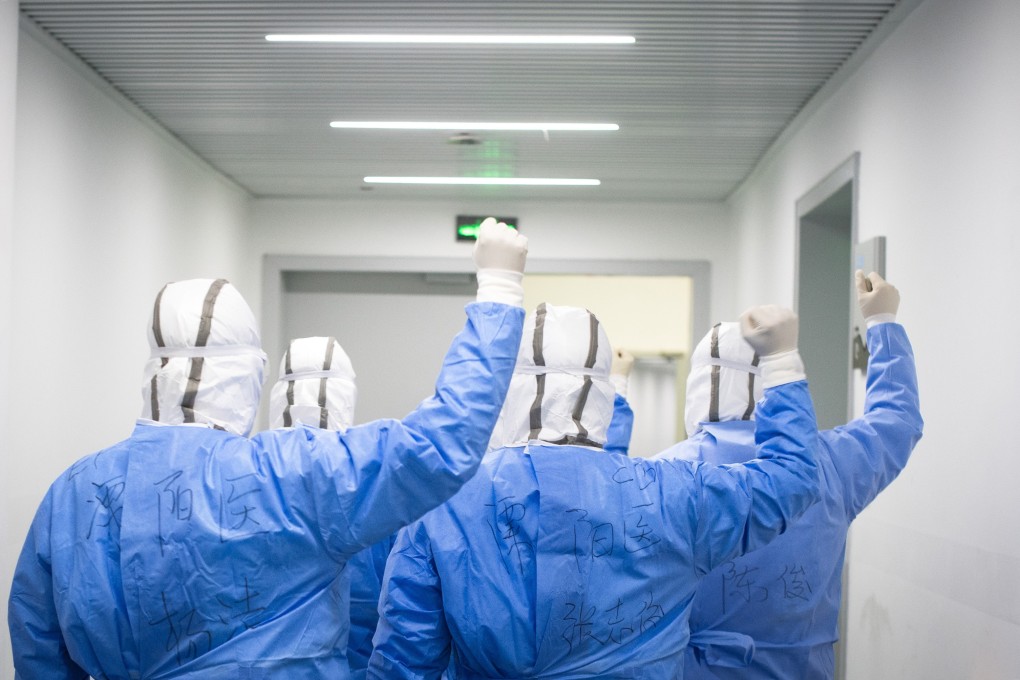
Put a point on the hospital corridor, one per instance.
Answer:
(474, 340)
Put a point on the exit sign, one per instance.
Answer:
(467, 225)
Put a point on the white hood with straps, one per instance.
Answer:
(316, 386)
(724, 382)
(206, 362)
(560, 392)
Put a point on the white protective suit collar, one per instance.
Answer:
(560, 392)
(316, 386)
(206, 360)
(724, 382)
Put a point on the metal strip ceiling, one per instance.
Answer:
(699, 97)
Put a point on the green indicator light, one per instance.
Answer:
(468, 230)
(468, 226)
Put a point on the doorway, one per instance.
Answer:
(396, 317)
(825, 300)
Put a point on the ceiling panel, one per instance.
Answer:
(699, 97)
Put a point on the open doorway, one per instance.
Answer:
(825, 301)
(826, 231)
(396, 317)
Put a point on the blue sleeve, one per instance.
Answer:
(870, 451)
(36, 638)
(412, 639)
(741, 507)
(620, 427)
(375, 478)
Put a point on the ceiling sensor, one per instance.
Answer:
(463, 139)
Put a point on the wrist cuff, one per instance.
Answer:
(875, 319)
(782, 368)
(619, 383)
(501, 285)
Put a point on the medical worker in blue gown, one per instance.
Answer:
(782, 602)
(191, 551)
(562, 560)
(317, 387)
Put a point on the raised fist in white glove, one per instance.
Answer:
(770, 329)
(772, 332)
(878, 299)
(500, 247)
(500, 253)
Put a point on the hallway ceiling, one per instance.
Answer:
(699, 97)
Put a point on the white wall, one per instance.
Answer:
(107, 209)
(934, 112)
(376, 227)
(8, 90)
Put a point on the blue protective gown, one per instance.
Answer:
(366, 570)
(190, 552)
(620, 427)
(568, 562)
(786, 596)
(367, 567)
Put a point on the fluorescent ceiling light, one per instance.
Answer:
(518, 181)
(412, 125)
(452, 39)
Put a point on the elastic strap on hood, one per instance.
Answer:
(536, 345)
(206, 362)
(316, 386)
(718, 363)
(566, 383)
(582, 433)
(289, 376)
(724, 382)
(204, 329)
(750, 388)
(157, 333)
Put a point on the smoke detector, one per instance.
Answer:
(463, 139)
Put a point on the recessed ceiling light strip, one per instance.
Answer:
(512, 181)
(455, 125)
(452, 39)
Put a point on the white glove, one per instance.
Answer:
(500, 253)
(500, 247)
(878, 299)
(772, 332)
(619, 371)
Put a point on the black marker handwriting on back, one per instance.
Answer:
(508, 532)
(795, 583)
(742, 582)
(242, 608)
(580, 618)
(639, 535)
(238, 512)
(108, 500)
(592, 540)
(642, 473)
(185, 638)
(178, 502)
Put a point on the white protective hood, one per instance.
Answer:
(316, 386)
(560, 391)
(206, 359)
(724, 382)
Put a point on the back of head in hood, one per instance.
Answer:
(560, 392)
(724, 382)
(316, 386)
(206, 358)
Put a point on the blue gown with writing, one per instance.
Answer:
(783, 600)
(569, 562)
(191, 552)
